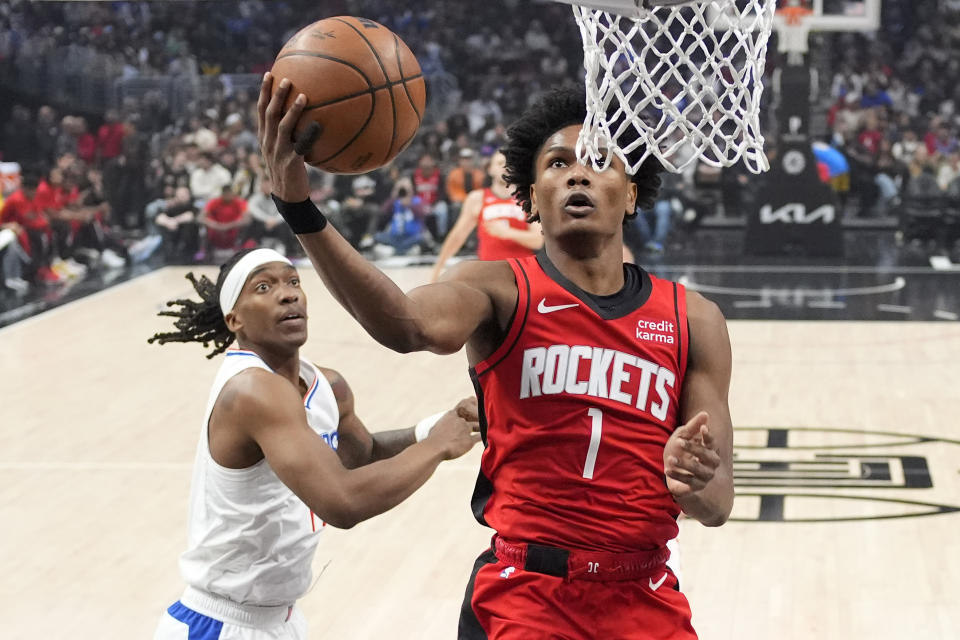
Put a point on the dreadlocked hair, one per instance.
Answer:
(555, 110)
(201, 321)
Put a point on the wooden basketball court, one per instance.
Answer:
(100, 429)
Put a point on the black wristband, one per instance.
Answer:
(301, 217)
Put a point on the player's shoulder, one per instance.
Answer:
(341, 390)
(257, 392)
(708, 328)
(482, 274)
(703, 310)
(476, 197)
(491, 278)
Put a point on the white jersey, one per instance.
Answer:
(250, 539)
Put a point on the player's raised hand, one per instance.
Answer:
(282, 155)
(457, 431)
(691, 458)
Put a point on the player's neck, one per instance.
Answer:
(282, 361)
(598, 272)
(501, 189)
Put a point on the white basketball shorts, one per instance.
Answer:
(201, 616)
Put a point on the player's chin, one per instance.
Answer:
(582, 228)
(294, 334)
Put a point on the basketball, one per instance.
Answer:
(363, 86)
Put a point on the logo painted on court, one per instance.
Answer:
(843, 475)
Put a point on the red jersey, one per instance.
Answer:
(55, 198)
(497, 208)
(427, 186)
(577, 405)
(110, 140)
(29, 214)
(223, 211)
(220, 210)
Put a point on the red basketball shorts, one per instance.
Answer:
(549, 595)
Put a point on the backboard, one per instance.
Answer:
(834, 15)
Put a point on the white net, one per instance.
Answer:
(687, 79)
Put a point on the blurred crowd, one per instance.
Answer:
(895, 109)
(144, 182)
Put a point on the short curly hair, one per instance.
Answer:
(555, 110)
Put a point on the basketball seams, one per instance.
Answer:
(373, 110)
(406, 91)
(389, 86)
(317, 54)
(386, 78)
(396, 48)
(370, 91)
(371, 88)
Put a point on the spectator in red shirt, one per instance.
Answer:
(110, 136)
(86, 143)
(428, 186)
(25, 208)
(225, 218)
(32, 226)
(57, 197)
(871, 135)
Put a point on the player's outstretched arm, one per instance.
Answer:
(466, 223)
(267, 409)
(358, 447)
(438, 319)
(698, 458)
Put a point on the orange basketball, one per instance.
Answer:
(363, 86)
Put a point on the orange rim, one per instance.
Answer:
(794, 15)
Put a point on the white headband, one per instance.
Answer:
(238, 274)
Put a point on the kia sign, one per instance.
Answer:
(794, 212)
(797, 213)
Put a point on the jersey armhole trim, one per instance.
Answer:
(683, 327)
(230, 473)
(517, 323)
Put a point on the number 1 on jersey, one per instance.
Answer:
(596, 431)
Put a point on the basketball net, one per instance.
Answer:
(687, 79)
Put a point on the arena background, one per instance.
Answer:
(843, 320)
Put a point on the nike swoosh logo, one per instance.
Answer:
(656, 585)
(544, 308)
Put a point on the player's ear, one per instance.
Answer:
(631, 197)
(533, 201)
(233, 322)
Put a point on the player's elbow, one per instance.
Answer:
(720, 513)
(423, 336)
(331, 501)
(715, 519)
(403, 341)
(342, 521)
(339, 514)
